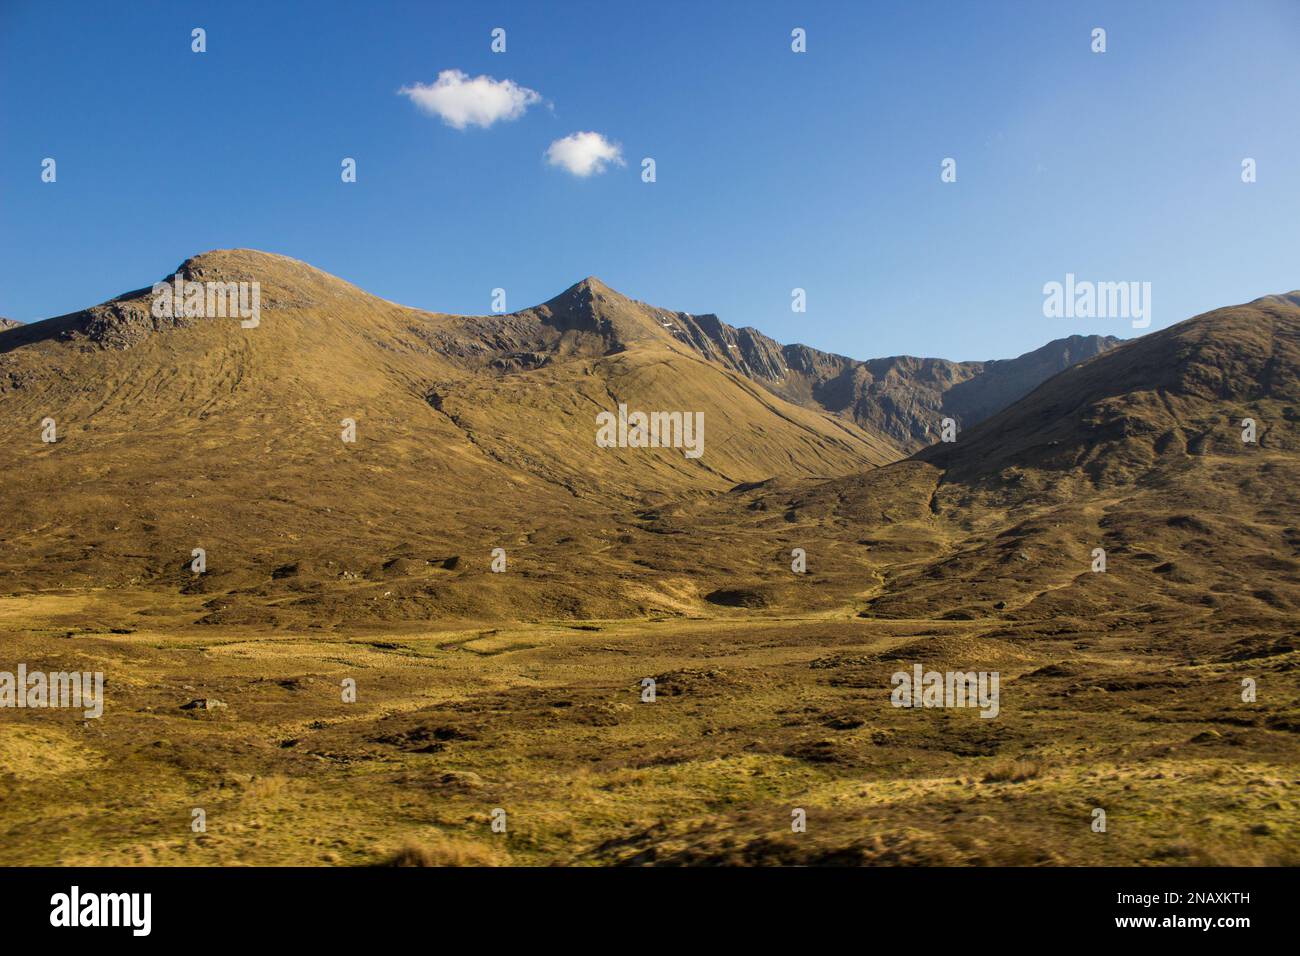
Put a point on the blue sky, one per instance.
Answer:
(775, 170)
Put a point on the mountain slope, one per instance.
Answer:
(1120, 689)
(478, 432)
(903, 398)
(1134, 457)
(1178, 392)
(471, 433)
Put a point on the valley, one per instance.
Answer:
(751, 720)
(395, 637)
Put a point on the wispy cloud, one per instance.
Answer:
(461, 100)
(584, 154)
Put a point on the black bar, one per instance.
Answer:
(657, 906)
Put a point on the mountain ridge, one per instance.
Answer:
(902, 399)
(476, 432)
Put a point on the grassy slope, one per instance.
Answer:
(1120, 690)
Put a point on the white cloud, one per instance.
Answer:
(463, 101)
(584, 153)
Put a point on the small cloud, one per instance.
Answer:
(584, 154)
(461, 100)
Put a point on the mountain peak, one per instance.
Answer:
(233, 260)
(591, 288)
(1176, 394)
(591, 306)
(267, 268)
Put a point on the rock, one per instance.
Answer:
(843, 723)
(204, 703)
(459, 780)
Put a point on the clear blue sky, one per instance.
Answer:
(775, 169)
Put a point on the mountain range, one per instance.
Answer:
(1112, 530)
(472, 432)
(901, 397)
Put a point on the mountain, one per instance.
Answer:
(472, 432)
(6, 324)
(903, 398)
(1138, 452)
(773, 589)
(1173, 396)
(480, 432)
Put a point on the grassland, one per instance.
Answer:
(753, 717)
(330, 562)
